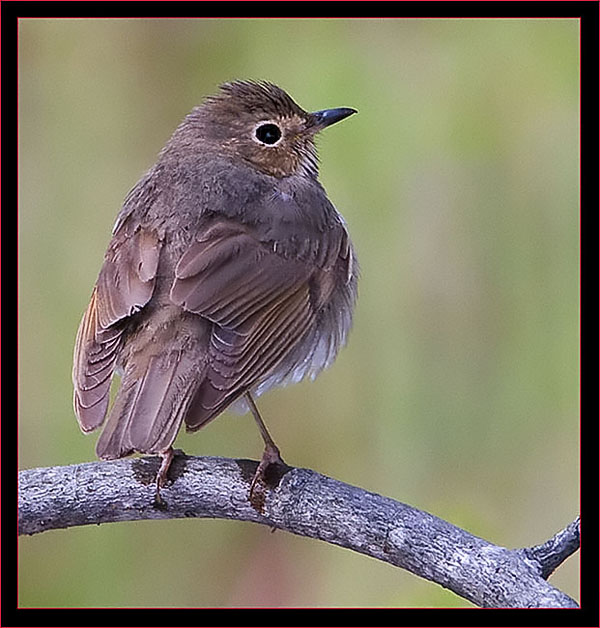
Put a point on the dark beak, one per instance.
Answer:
(327, 117)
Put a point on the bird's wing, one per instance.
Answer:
(125, 285)
(259, 301)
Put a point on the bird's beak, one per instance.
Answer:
(327, 117)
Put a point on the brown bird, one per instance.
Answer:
(229, 272)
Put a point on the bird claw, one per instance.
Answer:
(162, 475)
(269, 471)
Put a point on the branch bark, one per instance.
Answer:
(306, 503)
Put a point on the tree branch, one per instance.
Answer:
(302, 502)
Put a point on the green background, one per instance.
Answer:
(458, 390)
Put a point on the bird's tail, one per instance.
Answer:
(150, 406)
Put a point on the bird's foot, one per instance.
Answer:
(163, 472)
(268, 473)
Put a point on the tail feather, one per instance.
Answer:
(149, 410)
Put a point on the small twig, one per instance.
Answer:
(302, 502)
(549, 555)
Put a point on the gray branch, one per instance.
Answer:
(302, 502)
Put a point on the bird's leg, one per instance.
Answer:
(271, 455)
(161, 477)
(264, 432)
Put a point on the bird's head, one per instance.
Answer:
(259, 123)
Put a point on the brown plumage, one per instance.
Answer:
(229, 272)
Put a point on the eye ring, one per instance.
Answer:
(267, 133)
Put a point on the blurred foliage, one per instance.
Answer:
(458, 390)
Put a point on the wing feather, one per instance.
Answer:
(259, 302)
(125, 284)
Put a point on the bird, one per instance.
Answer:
(228, 272)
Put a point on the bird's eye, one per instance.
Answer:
(268, 133)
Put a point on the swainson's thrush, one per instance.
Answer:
(229, 271)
